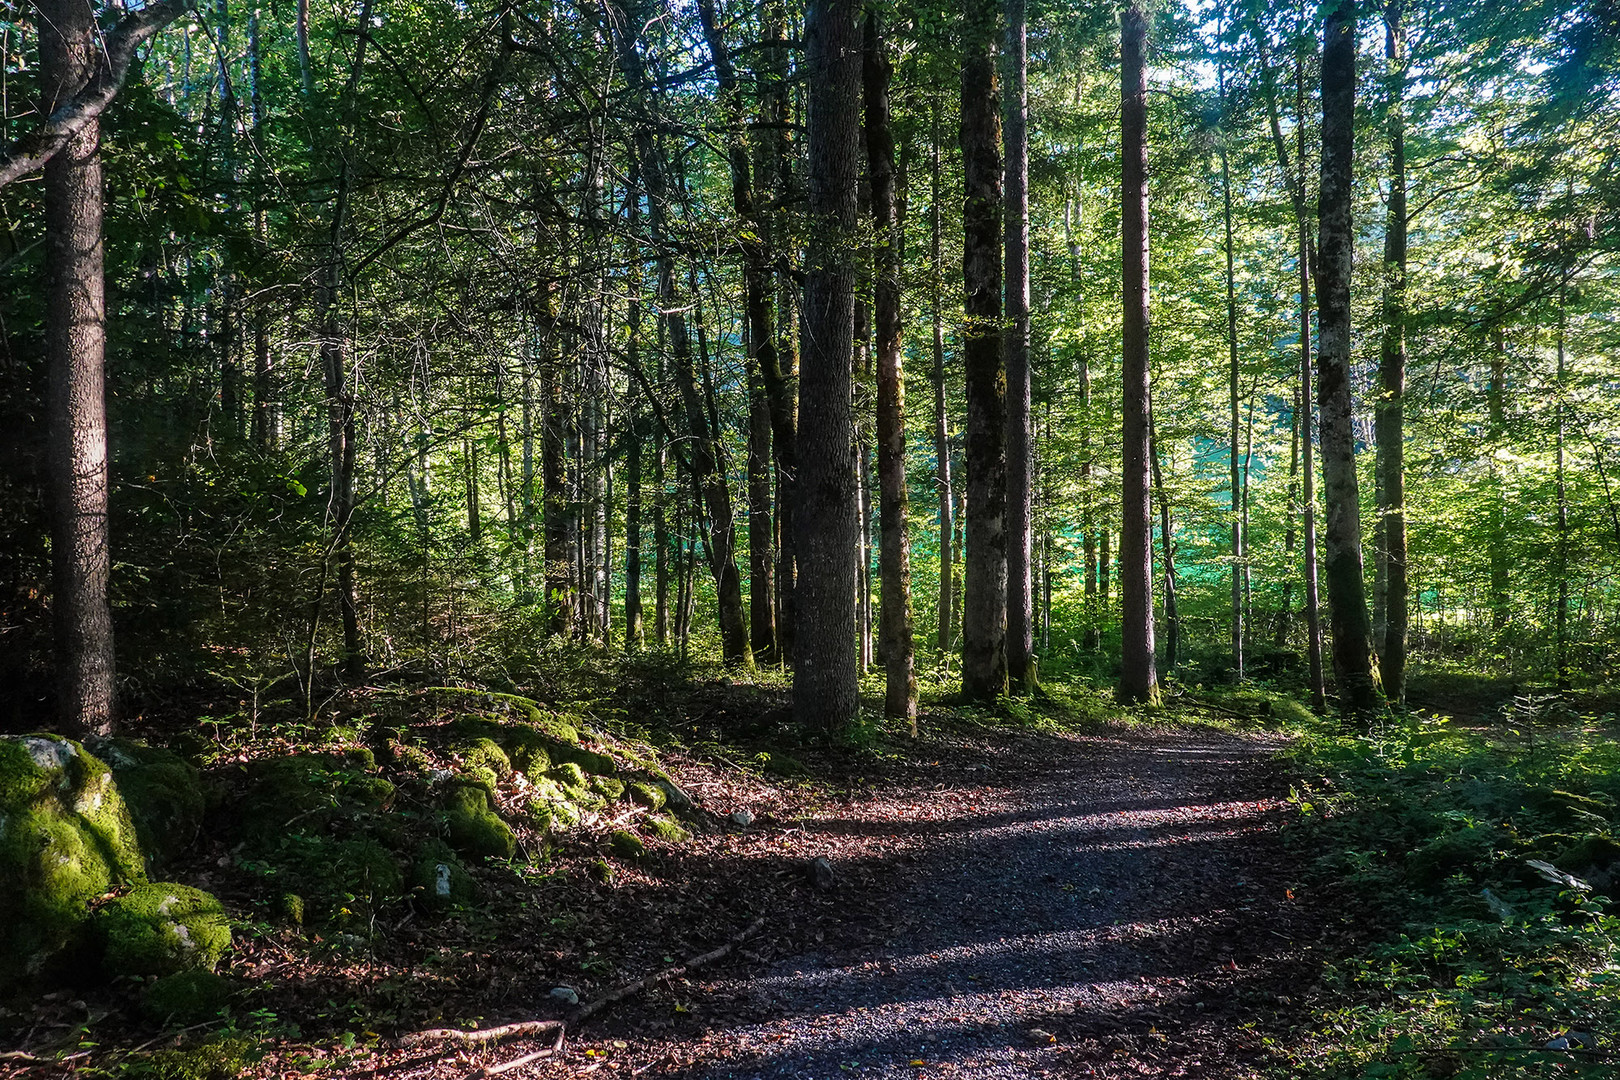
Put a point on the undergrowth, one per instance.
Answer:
(1480, 866)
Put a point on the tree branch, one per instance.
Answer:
(32, 151)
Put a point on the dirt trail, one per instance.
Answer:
(1104, 906)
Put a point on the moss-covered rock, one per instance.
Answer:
(479, 777)
(410, 760)
(475, 828)
(1568, 809)
(777, 763)
(627, 845)
(602, 872)
(554, 814)
(1457, 851)
(569, 775)
(485, 754)
(66, 837)
(666, 829)
(607, 787)
(647, 795)
(164, 793)
(186, 997)
(439, 880)
(162, 928)
(290, 906)
(218, 1059)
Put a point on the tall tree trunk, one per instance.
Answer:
(942, 435)
(1283, 627)
(984, 613)
(1088, 495)
(1167, 533)
(780, 368)
(1139, 680)
(1353, 660)
(75, 349)
(1496, 400)
(1561, 544)
(894, 548)
(759, 339)
(1238, 553)
(1021, 673)
(825, 683)
(558, 506)
(1388, 419)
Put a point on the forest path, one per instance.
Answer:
(1107, 905)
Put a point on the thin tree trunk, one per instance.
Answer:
(825, 682)
(1088, 496)
(1353, 660)
(894, 548)
(1388, 419)
(942, 436)
(557, 511)
(1238, 553)
(75, 349)
(1496, 396)
(1172, 616)
(984, 614)
(1290, 533)
(1021, 670)
(1139, 680)
(1561, 672)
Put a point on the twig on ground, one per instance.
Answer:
(480, 1037)
(586, 1011)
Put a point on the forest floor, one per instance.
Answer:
(1008, 905)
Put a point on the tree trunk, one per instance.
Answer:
(1172, 617)
(780, 367)
(1496, 397)
(1353, 660)
(75, 349)
(1388, 419)
(1139, 680)
(984, 614)
(1561, 543)
(1232, 391)
(1021, 673)
(825, 682)
(942, 436)
(894, 547)
(558, 501)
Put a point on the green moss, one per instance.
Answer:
(554, 814)
(222, 1059)
(475, 829)
(1291, 712)
(627, 845)
(777, 763)
(438, 878)
(162, 928)
(66, 837)
(481, 778)
(568, 775)
(485, 754)
(607, 787)
(412, 760)
(602, 871)
(164, 793)
(588, 760)
(647, 795)
(1569, 809)
(290, 906)
(667, 829)
(1588, 853)
(332, 876)
(186, 997)
(532, 761)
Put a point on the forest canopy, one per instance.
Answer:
(440, 339)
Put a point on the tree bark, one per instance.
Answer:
(1232, 391)
(1021, 672)
(1139, 680)
(894, 547)
(825, 683)
(942, 436)
(984, 614)
(75, 349)
(558, 501)
(1353, 660)
(1496, 401)
(1388, 420)
(1167, 533)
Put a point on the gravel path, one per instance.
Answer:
(1105, 906)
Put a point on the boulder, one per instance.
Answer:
(163, 928)
(186, 997)
(439, 880)
(164, 793)
(66, 837)
(475, 828)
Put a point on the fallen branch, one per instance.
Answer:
(479, 1037)
(584, 1012)
(518, 1063)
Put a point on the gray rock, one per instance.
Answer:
(565, 994)
(674, 797)
(820, 873)
(742, 817)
